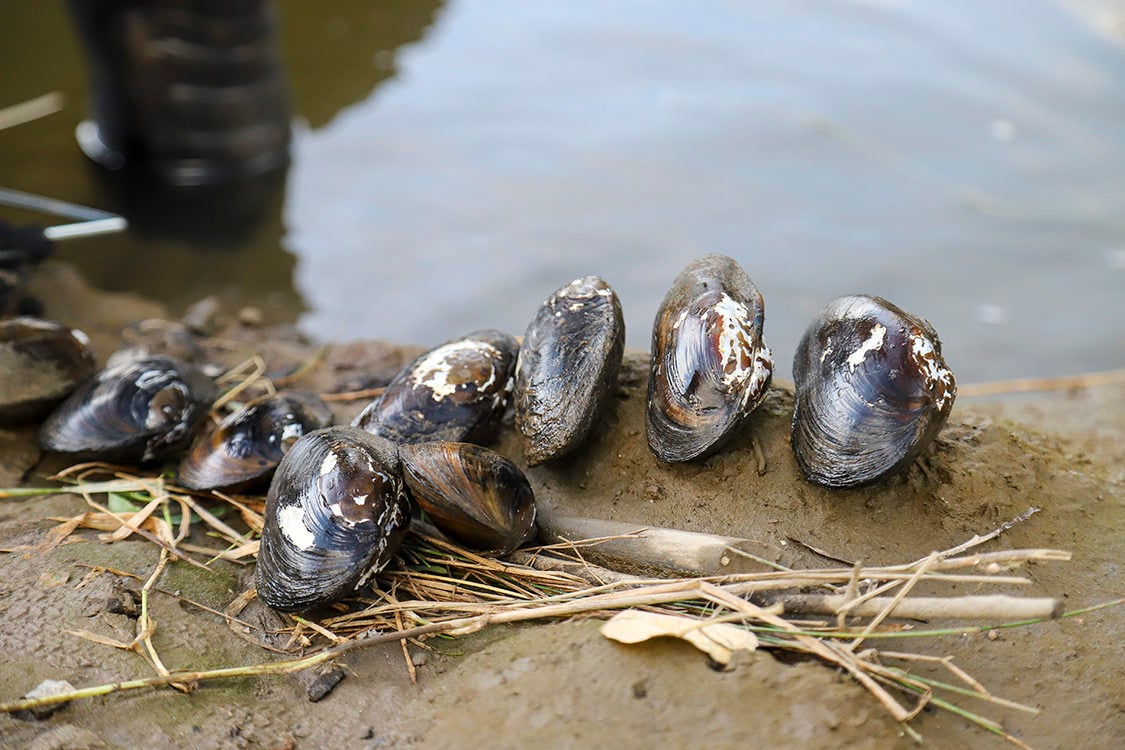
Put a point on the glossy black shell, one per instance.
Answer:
(335, 514)
(567, 368)
(872, 392)
(135, 411)
(249, 443)
(455, 391)
(471, 493)
(710, 366)
(41, 362)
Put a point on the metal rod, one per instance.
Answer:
(86, 229)
(31, 110)
(20, 199)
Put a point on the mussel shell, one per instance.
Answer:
(471, 493)
(872, 392)
(249, 443)
(567, 367)
(141, 410)
(710, 366)
(335, 514)
(41, 362)
(456, 391)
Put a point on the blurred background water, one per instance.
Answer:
(454, 163)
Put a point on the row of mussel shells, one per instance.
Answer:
(871, 392)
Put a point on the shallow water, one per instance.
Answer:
(454, 164)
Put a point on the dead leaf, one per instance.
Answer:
(103, 640)
(717, 640)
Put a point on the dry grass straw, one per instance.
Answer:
(436, 587)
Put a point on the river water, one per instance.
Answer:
(455, 163)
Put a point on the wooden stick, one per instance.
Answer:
(647, 547)
(984, 607)
(1031, 385)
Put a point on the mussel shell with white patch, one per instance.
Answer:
(567, 367)
(139, 410)
(335, 514)
(471, 493)
(249, 443)
(710, 366)
(41, 362)
(872, 392)
(455, 391)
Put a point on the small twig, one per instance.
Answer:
(354, 395)
(824, 650)
(146, 626)
(210, 519)
(405, 652)
(307, 366)
(317, 627)
(895, 601)
(978, 540)
(595, 574)
(759, 455)
(1030, 385)
(850, 593)
(257, 367)
(822, 553)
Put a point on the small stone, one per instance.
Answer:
(251, 317)
(124, 601)
(203, 317)
(42, 690)
(323, 682)
(419, 658)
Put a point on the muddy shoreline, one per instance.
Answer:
(563, 685)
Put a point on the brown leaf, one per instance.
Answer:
(717, 640)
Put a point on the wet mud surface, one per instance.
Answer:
(562, 684)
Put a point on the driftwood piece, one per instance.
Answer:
(636, 548)
(986, 607)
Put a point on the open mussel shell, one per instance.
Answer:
(567, 367)
(472, 493)
(872, 392)
(140, 410)
(335, 514)
(456, 391)
(41, 362)
(249, 443)
(710, 366)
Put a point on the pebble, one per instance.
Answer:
(42, 690)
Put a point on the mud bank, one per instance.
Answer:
(563, 685)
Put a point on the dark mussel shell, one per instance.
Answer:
(471, 493)
(710, 366)
(872, 392)
(567, 367)
(140, 410)
(41, 362)
(456, 391)
(335, 514)
(249, 443)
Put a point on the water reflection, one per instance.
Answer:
(186, 243)
(454, 164)
(961, 159)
